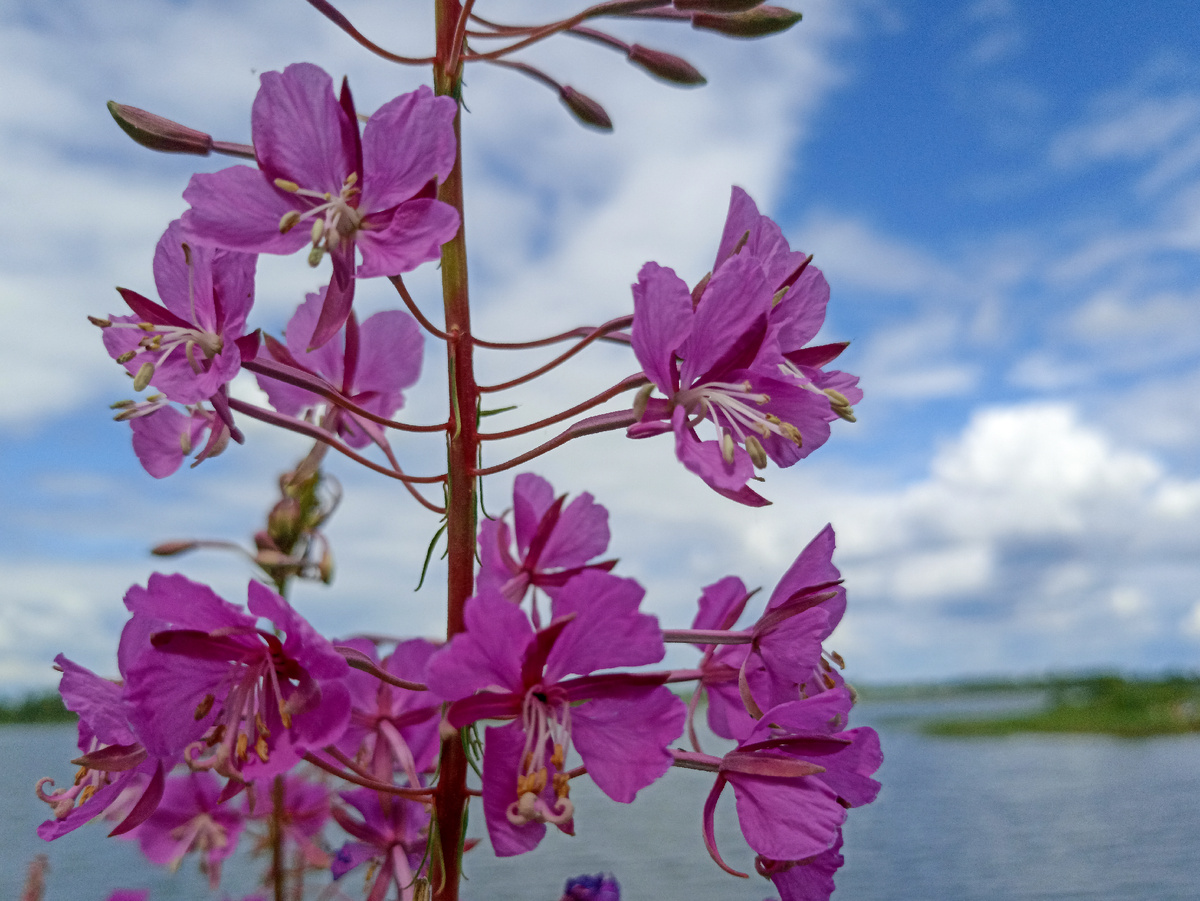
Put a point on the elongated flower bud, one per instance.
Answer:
(666, 66)
(716, 6)
(585, 109)
(756, 23)
(158, 133)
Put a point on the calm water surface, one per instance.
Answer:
(1011, 819)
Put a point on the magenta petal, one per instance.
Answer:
(721, 604)
(704, 458)
(787, 819)
(814, 566)
(729, 324)
(188, 295)
(502, 749)
(185, 604)
(580, 534)
(811, 879)
(299, 129)
(487, 654)
(622, 737)
(238, 209)
(157, 439)
(389, 360)
(607, 630)
(407, 142)
(97, 701)
(414, 234)
(532, 497)
(662, 321)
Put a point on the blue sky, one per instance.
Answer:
(1005, 197)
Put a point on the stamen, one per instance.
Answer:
(727, 447)
(642, 400)
(144, 374)
(127, 356)
(284, 185)
(100, 323)
(756, 451)
(288, 221)
(206, 703)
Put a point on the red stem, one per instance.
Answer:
(450, 796)
(581, 332)
(626, 384)
(596, 335)
(593, 425)
(398, 283)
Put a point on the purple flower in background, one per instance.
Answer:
(320, 183)
(553, 542)
(190, 346)
(392, 832)
(393, 729)
(303, 811)
(118, 778)
(713, 361)
(601, 887)
(200, 673)
(370, 365)
(190, 818)
(501, 668)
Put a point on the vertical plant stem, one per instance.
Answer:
(275, 832)
(462, 448)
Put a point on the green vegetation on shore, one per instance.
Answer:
(1103, 704)
(35, 708)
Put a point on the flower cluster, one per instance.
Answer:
(234, 724)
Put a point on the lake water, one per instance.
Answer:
(1012, 819)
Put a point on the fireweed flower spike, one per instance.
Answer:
(319, 183)
(370, 365)
(553, 542)
(200, 675)
(620, 723)
(190, 346)
(713, 361)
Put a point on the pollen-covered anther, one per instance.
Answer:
(318, 229)
(260, 725)
(284, 185)
(837, 658)
(242, 749)
(206, 703)
(562, 785)
(260, 748)
(315, 255)
(88, 791)
(558, 758)
(100, 323)
(285, 715)
(791, 433)
(127, 356)
(288, 221)
(727, 447)
(143, 377)
(757, 454)
(840, 404)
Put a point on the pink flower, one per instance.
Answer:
(394, 833)
(370, 365)
(620, 724)
(319, 183)
(712, 360)
(201, 675)
(794, 777)
(191, 345)
(554, 541)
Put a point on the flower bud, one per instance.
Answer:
(665, 66)
(171, 548)
(158, 133)
(585, 109)
(756, 23)
(284, 522)
(715, 6)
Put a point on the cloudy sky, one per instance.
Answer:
(1005, 197)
